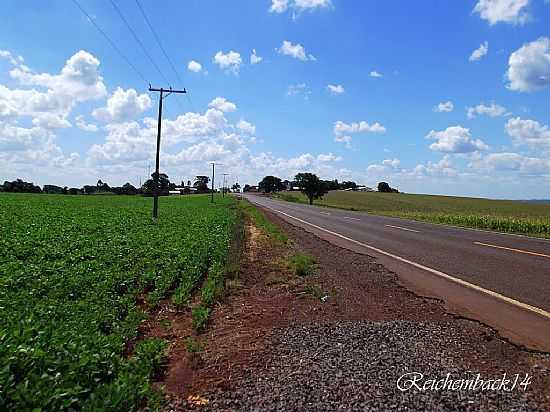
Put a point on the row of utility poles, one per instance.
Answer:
(164, 93)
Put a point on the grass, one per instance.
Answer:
(262, 221)
(71, 271)
(192, 345)
(498, 215)
(301, 264)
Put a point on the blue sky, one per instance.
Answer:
(434, 97)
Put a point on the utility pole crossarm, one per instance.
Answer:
(169, 90)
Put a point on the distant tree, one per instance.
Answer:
(52, 189)
(74, 191)
(348, 185)
(311, 186)
(102, 187)
(89, 190)
(20, 186)
(148, 188)
(385, 188)
(236, 187)
(331, 184)
(271, 184)
(201, 183)
(246, 188)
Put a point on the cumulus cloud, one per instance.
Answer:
(512, 162)
(222, 104)
(299, 88)
(123, 105)
(194, 66)
(455, 139)
(505, 11)
(341, 128)
(447, 106)
(254, 58)
(280, 6)
(335, 89)
(82, 125)
(296, 51)
(374, 73)
(481, 51)
(344, 139)
(528, 132)
(393, 163)
(494, 110)
(246, 127)
(442, 168)
(230, 61)
(329, 157)
(529, 66)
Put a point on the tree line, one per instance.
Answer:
(200, 185)
(311, 185)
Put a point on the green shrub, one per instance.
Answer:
(302, 264)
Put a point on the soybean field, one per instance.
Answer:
(71, 271)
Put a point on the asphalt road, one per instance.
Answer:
(517, 267)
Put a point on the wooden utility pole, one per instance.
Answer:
(157, 160)
(223, 184)
(212, 195)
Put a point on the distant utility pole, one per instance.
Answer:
(156, 177)
(223, 184)
(212, 195)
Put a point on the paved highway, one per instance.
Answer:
(509, 268)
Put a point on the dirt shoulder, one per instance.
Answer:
(339, 338)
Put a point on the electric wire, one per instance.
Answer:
(111, 42)
(136, 38)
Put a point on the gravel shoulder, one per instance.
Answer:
(274, 345)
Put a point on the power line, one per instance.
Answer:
(157, 39)
(111, 42)
(138, 41)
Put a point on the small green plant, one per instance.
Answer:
(200, 316)
(192, 345)
(314, 291)
(302, 264)
(150, 354)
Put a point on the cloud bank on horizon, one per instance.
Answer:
(461, 119)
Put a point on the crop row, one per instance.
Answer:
(71, 270)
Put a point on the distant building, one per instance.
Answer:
(364, 189)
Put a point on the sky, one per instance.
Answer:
(431, 96)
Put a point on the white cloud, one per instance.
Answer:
(329, 157)
(528, 132)
(123, 105)
(222, 104)
(494, 110)
(455, 139)
(481, 51)
(393, 163)
(246, 127)
(335, 88)
(82, 125)
(299, 88)
(254, 58)
(51, 121)
(230, 61)
(506, 11)
(295, 50)
(341, 128)
(512, 162)
(344, 139)
(374, 73)
(529, 66)
(280, 6)
(194, 66)
(444, 107)
(443, 168)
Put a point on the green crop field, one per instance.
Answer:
(498, 215)
(71, 270)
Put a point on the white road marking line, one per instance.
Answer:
(403, 228)
(325, 213)
(352, 218)
(496, 295)
(527, 252)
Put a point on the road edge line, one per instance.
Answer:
(524, 306)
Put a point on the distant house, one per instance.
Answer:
(253, 189)
(364, 189)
